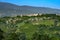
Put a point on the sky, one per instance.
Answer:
(37, 3)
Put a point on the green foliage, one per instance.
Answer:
(15, 36)
(30, 28)
(1, 34)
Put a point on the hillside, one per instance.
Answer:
(8, 9)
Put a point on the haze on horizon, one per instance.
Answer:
(38, 3)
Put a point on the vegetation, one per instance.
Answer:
(40, 27)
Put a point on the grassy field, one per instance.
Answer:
(29, 27)
(45, 22)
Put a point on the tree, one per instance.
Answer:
(37, 36)
(15, 36)
(1, 34)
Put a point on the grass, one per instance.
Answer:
(29, 28)
(45, 22)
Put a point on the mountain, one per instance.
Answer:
(8, 9)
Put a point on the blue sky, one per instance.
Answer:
(38, 3)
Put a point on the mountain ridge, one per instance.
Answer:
(8, 9)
